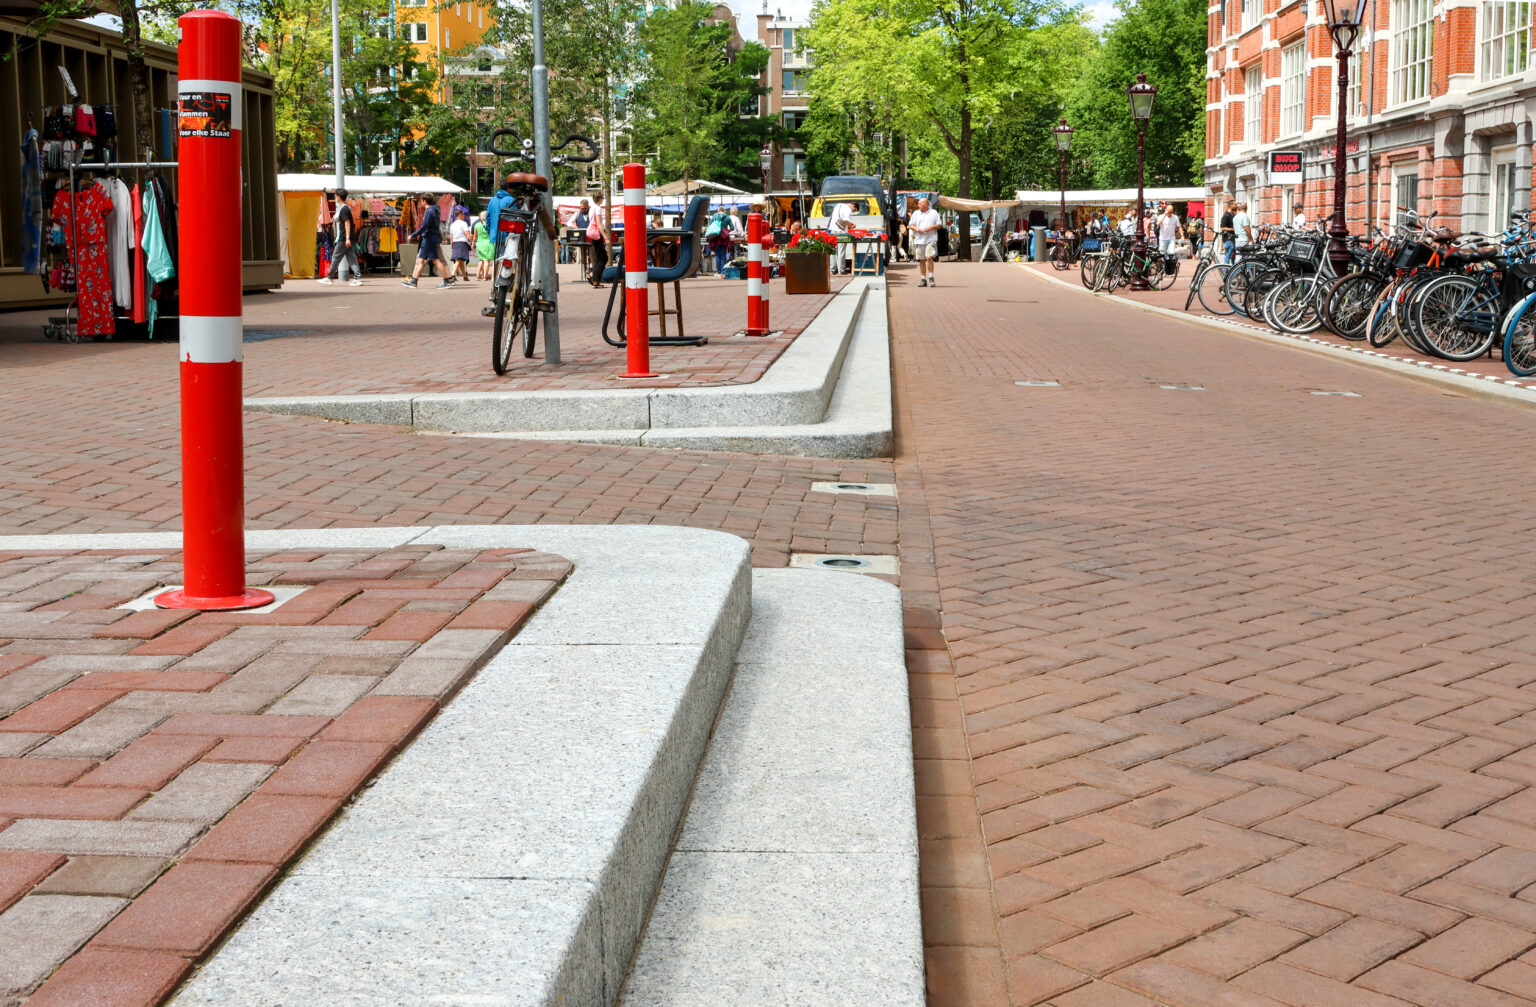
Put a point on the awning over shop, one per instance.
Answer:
(1110, 197)
(977, 205)
(370, 185)
(691, 186)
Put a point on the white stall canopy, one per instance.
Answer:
(365, 185)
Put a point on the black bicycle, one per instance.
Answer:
(517, 295)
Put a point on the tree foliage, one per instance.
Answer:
(964, 80)
(1165, 39)
(689, 104)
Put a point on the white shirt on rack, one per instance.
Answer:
(120, 241)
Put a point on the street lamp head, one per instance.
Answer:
(1063, 136)
(1142, 95)
(1345, 13)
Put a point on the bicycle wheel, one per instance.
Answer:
(1257, 290)
(1093, 265)
(1170, 274)
(501, 332)
(1151, 270)
(1292, 306)
(1061, 256)
(1235, 286)
(1347, 304)
(1520, 339)
(1454, 317)
(1211, 289)
(526, 308)
(1194, 281)
(1381, 324)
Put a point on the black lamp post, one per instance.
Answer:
(1344, 18)
(1063, 144)
(1142, 95)
(765, 162)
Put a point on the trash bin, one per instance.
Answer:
(1037, 244)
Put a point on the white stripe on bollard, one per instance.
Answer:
(211, 340)
(754, 287)
(635, 281)
(634, 197)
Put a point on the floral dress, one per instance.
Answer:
(84, 220)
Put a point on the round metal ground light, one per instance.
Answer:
(842, 563)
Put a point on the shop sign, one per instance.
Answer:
(1284, 167)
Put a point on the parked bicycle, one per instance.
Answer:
(517, 294)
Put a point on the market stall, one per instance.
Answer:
(375, 201)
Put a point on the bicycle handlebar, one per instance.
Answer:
(524, 149)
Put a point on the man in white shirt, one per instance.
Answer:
(1243, 225)
(1300, 220)
(923, 230)
(1128, 224)
(1168, 227)
(839, 223)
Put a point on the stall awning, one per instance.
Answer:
(1105, 197)
(692, 186)
(371, 185)
(976, 205)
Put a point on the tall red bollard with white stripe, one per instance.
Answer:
(763, 246)
(209, 259)
(756, 326)
(637, 303)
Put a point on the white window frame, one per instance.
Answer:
(1253, 10)
(1413, 41)
(1293, 89)
(1501, 188)
(1253, 106)
(1359, 66)
(1410, 170)
(1503, 39)
(418, 31)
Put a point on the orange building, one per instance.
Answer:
(438, 29)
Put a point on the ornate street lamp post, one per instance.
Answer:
(1142, 95)
(765, 162)
(1344, 18)
(1063, 144)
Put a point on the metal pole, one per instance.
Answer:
(1139, 281)
(550, 280)
(1338, 234)
(1063, 225)
(341, 169)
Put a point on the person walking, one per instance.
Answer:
(459, 236)
(430, 235)
(485, 251)
(840, 223)
(597, 238)
(923, 230)
(1168, 228)
(717, 233)
(344, 245)
(1228, 233)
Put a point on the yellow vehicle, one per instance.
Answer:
(866, 211)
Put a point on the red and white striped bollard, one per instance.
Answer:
(766, 243)
(208, 200)
(637, 305)
(755, 263)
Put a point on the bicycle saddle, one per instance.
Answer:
(1466, 257)
(1442, 234)
(526, 178)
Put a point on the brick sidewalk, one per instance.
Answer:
(158, 768)
(382, 338)
(1173, 299)
(1244, 678)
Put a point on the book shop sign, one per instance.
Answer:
(1284, 167)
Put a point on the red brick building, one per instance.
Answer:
(1442, 94)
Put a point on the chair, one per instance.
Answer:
(690, 255)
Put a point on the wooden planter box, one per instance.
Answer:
(807, 272)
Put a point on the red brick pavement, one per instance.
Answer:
(158, 768)
(1221, 696)
(382, 338)
(1173, 299)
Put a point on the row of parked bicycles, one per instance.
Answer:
(1446, 294)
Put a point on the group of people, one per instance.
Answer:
(465, 233)
(1163, 226)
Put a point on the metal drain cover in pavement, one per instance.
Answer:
(1038, 384)
(1183, 388)
(1347, 395)
(845, 562)
(856, 489)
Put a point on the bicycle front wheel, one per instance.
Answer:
(1381, 326)
(1092, 266)
(1291, 306)
(1347, 305)
(501, 331)
(525, 309)
(1454, 316)
(1520, 339)
(1170, 273)
(1061, 256)
(1211, 289)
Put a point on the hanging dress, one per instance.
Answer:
(31, 204)
(84, 220)
(157, 255)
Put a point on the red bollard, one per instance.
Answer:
(765, 244)
(755, 263)
(637, 306)
(208, 200)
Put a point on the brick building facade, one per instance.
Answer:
(788, 99)
(1442, 95)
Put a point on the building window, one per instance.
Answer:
(1253, 105)
(1505, 32)
(795, 80)
(1413, 25)
(794, 119)
(1293, 89)
(749, 107)
(1407, 195)
(1251, 11)
(1359, 63)
(417, 31)
(794, 164)
(1503, 192)
(788, 38)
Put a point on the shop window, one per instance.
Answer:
(1505, 40)
(1413, 23)
(1503, 190)
(1406, 193)
(1293, 89)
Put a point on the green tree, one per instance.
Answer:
(693, 91)
(936, 70)
(1165, 39)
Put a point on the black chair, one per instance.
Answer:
(690, 255)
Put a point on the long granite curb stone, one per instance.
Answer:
(795, 877)
(796, 389)
(510, 853)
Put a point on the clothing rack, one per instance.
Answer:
(66, 327)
